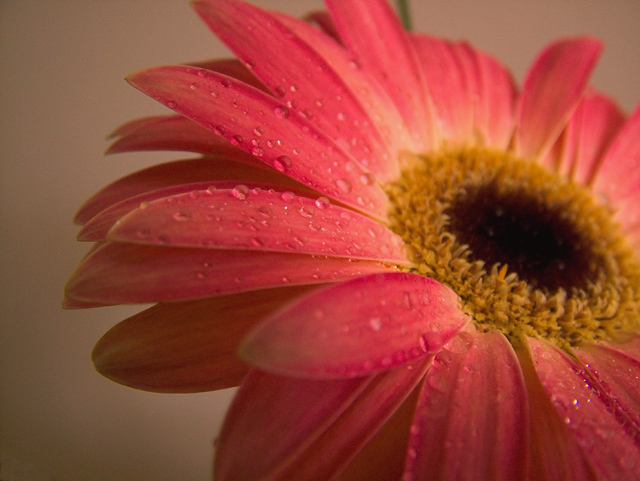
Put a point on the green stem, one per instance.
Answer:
(405, 14)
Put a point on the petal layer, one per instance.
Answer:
(263, 126)
(118, 273)
(274, 418)
(312, 84)
(604, 434)
(617, 368)
(373, 33)
(552, 89)
(359, 327)
(173, 174)
(186, 346)
(471, 420)
(244, 218)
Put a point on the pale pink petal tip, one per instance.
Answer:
(362, 326)
(552, 89)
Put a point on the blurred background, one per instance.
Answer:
(61, 92)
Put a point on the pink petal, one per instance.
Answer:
(619, 175)
(618, 371)
(447, 84)
(579, 151)
(98, 227)
(359, 327)
(261, 125)
(172, 132)
(126, 273)
(233, 68)
(244, 218)
(363, 419)
(589, 414)
(373, 33)
(552, 89)
(274, 418)
(495, 109)
(173, 174)
(324, 21)
(472, 415)
(186, 346)
(322, 97)
(370, 94)
(555, 453)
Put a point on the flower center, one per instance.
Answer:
(528, 252)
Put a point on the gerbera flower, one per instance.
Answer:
(430, 273)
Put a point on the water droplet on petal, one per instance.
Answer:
(322, 202)
(443, 359)
(375, 323)
(288, 197)
(307, 211)
(225, 83)
(344, 185)
(240, 192)
(236, 139)
(257, 151)
(281, 112)
(259, 130)
(283, 163)
(460, 343)
(430, 341)
(171, 104)
(181, 216)
(367, 178)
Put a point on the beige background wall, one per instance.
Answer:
(61, 91)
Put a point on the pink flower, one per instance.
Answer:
(430, 273)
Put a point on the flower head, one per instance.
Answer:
(429, 272)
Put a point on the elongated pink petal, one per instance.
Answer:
(323, 20)
(127, 273)
(186, 346)
(555, 453)
(343, 440)
(98, 227)
(589, 414)
(579, 150)
(447, 84)
(552, 89)
(274, 418)
(496, 106)
(172, 132)
(599, 120)
(359, 327)
(309, 85)
(244, 218)
(618, 372)
(176, 173)
(382, 458)
(373, 33)
(233, 68)
(263, 126)
(472, 415)
(371, 95)
(619, 176)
